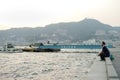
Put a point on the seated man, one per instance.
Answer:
(105, 52)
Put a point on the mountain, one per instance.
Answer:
(61, 32)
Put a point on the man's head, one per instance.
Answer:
(103, 43)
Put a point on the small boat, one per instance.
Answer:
(9, 48)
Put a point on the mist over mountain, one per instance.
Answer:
(61, 32)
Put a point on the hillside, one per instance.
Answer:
(61, 32)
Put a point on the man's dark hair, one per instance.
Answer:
(103, 42)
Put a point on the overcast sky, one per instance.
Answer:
(34, 13)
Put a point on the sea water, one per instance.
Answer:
(45, 66)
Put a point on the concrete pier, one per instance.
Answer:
(98, 71)
(116, 61)
(105, 70)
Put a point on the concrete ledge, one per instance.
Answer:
(98, 71)
(111, 72)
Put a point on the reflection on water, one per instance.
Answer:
(45, 66)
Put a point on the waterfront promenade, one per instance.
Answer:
(106, 70)
(116, 61)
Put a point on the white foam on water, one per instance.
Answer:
(45, 66)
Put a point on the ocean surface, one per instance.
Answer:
(45, 66)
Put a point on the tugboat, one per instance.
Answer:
(36, 48)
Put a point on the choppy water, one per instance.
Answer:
(45, 66)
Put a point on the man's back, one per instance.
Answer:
(106, 51)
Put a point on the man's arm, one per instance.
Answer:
(100, 53)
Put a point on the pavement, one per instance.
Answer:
(106, 70)
(98, 71)
(116, 61)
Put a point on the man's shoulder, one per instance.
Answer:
(104, 47)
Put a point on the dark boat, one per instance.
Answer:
(36, 48)
(45, 50)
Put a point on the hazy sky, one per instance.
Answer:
(33, 13)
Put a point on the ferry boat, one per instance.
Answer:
(90, 44)
(71, 46)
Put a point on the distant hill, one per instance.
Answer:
(61, 32)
